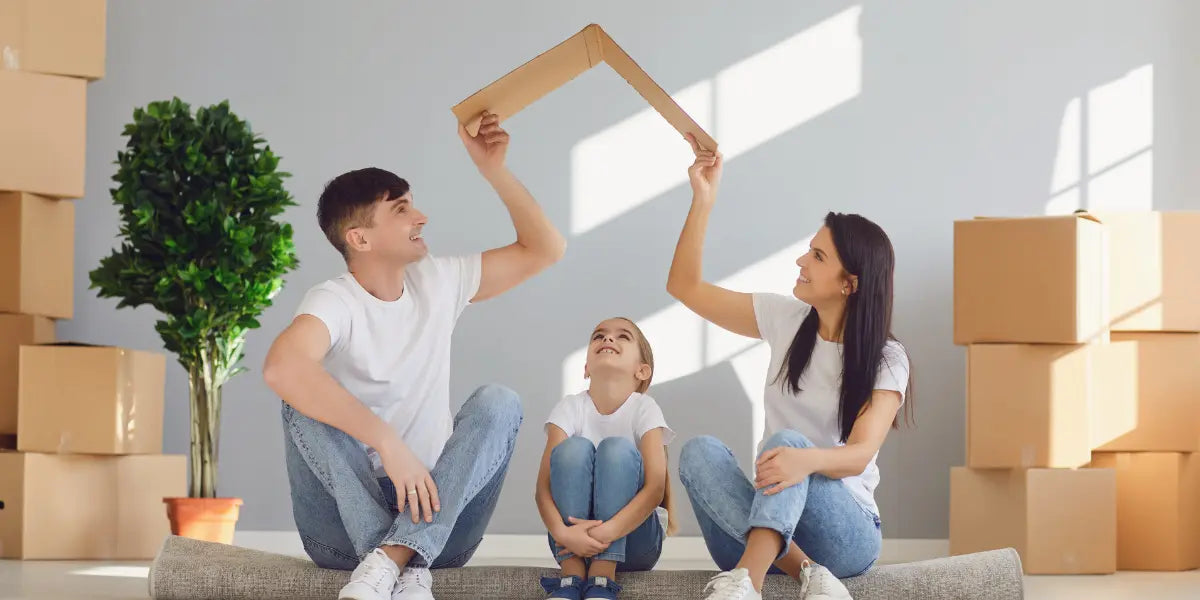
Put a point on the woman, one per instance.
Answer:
(835, 385)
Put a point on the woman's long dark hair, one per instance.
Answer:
(866, 252)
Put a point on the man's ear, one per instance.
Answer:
(356, 239)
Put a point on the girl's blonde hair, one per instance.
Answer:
(643, 345)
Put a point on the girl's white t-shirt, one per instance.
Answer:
(814, 410)
(576, 414)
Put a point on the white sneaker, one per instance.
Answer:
(818, 583)
(414, 584)
(732, 585)
(372, 579)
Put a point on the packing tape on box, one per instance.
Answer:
(10, 59)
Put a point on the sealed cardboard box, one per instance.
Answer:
(1155, 281)
(1158, 509)
(57, 37)
(78, 507)
(76, 399)
(43, 133)
(37, 254)
(1047, 405)
(1030, 280)
(17, 331)
(1061, 521)
(555, 67)
(1168, 394)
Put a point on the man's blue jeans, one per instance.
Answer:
(343, 511)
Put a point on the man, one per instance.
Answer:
(383, 480)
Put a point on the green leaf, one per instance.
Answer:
(198, 195)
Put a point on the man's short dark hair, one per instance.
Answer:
(349, 201)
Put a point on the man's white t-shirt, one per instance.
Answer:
(394, 356)
(576, 414)
(814, 410)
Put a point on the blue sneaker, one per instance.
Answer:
(601, 588)
(568, 588)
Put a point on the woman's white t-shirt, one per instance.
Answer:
(813, 411)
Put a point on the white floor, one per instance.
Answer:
(54, 580)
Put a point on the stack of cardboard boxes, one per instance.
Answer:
(81, 474)
(1083, 390)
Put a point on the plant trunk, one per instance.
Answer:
(205, 391)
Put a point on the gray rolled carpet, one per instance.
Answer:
(187, 569)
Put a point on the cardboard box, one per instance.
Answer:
(1047, 405)
(57, 37)
(1158, 509)
(1155, 280)
(1168, 394)
(77, 399)
(1061, 521)
(86, 507)
(17, 331)
(1030, 280)
(43, 133)
(555, 67)
(37, 255)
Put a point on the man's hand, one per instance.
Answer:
(577, 539)
(705, 172)
(409, 476)
(782, 468)
(489, 146)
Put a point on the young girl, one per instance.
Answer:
(604, 471)
(835, 383)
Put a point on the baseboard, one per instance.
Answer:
(518, 547)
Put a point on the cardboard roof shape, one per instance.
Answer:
(551, 69)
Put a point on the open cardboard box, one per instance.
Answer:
(553, 68)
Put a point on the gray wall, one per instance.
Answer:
(959, 113)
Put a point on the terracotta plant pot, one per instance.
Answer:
(208, 519)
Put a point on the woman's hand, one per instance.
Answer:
(705, 172)
(781, 468)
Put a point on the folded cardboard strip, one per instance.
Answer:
(552, 69)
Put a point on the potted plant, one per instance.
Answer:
(199, 196)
